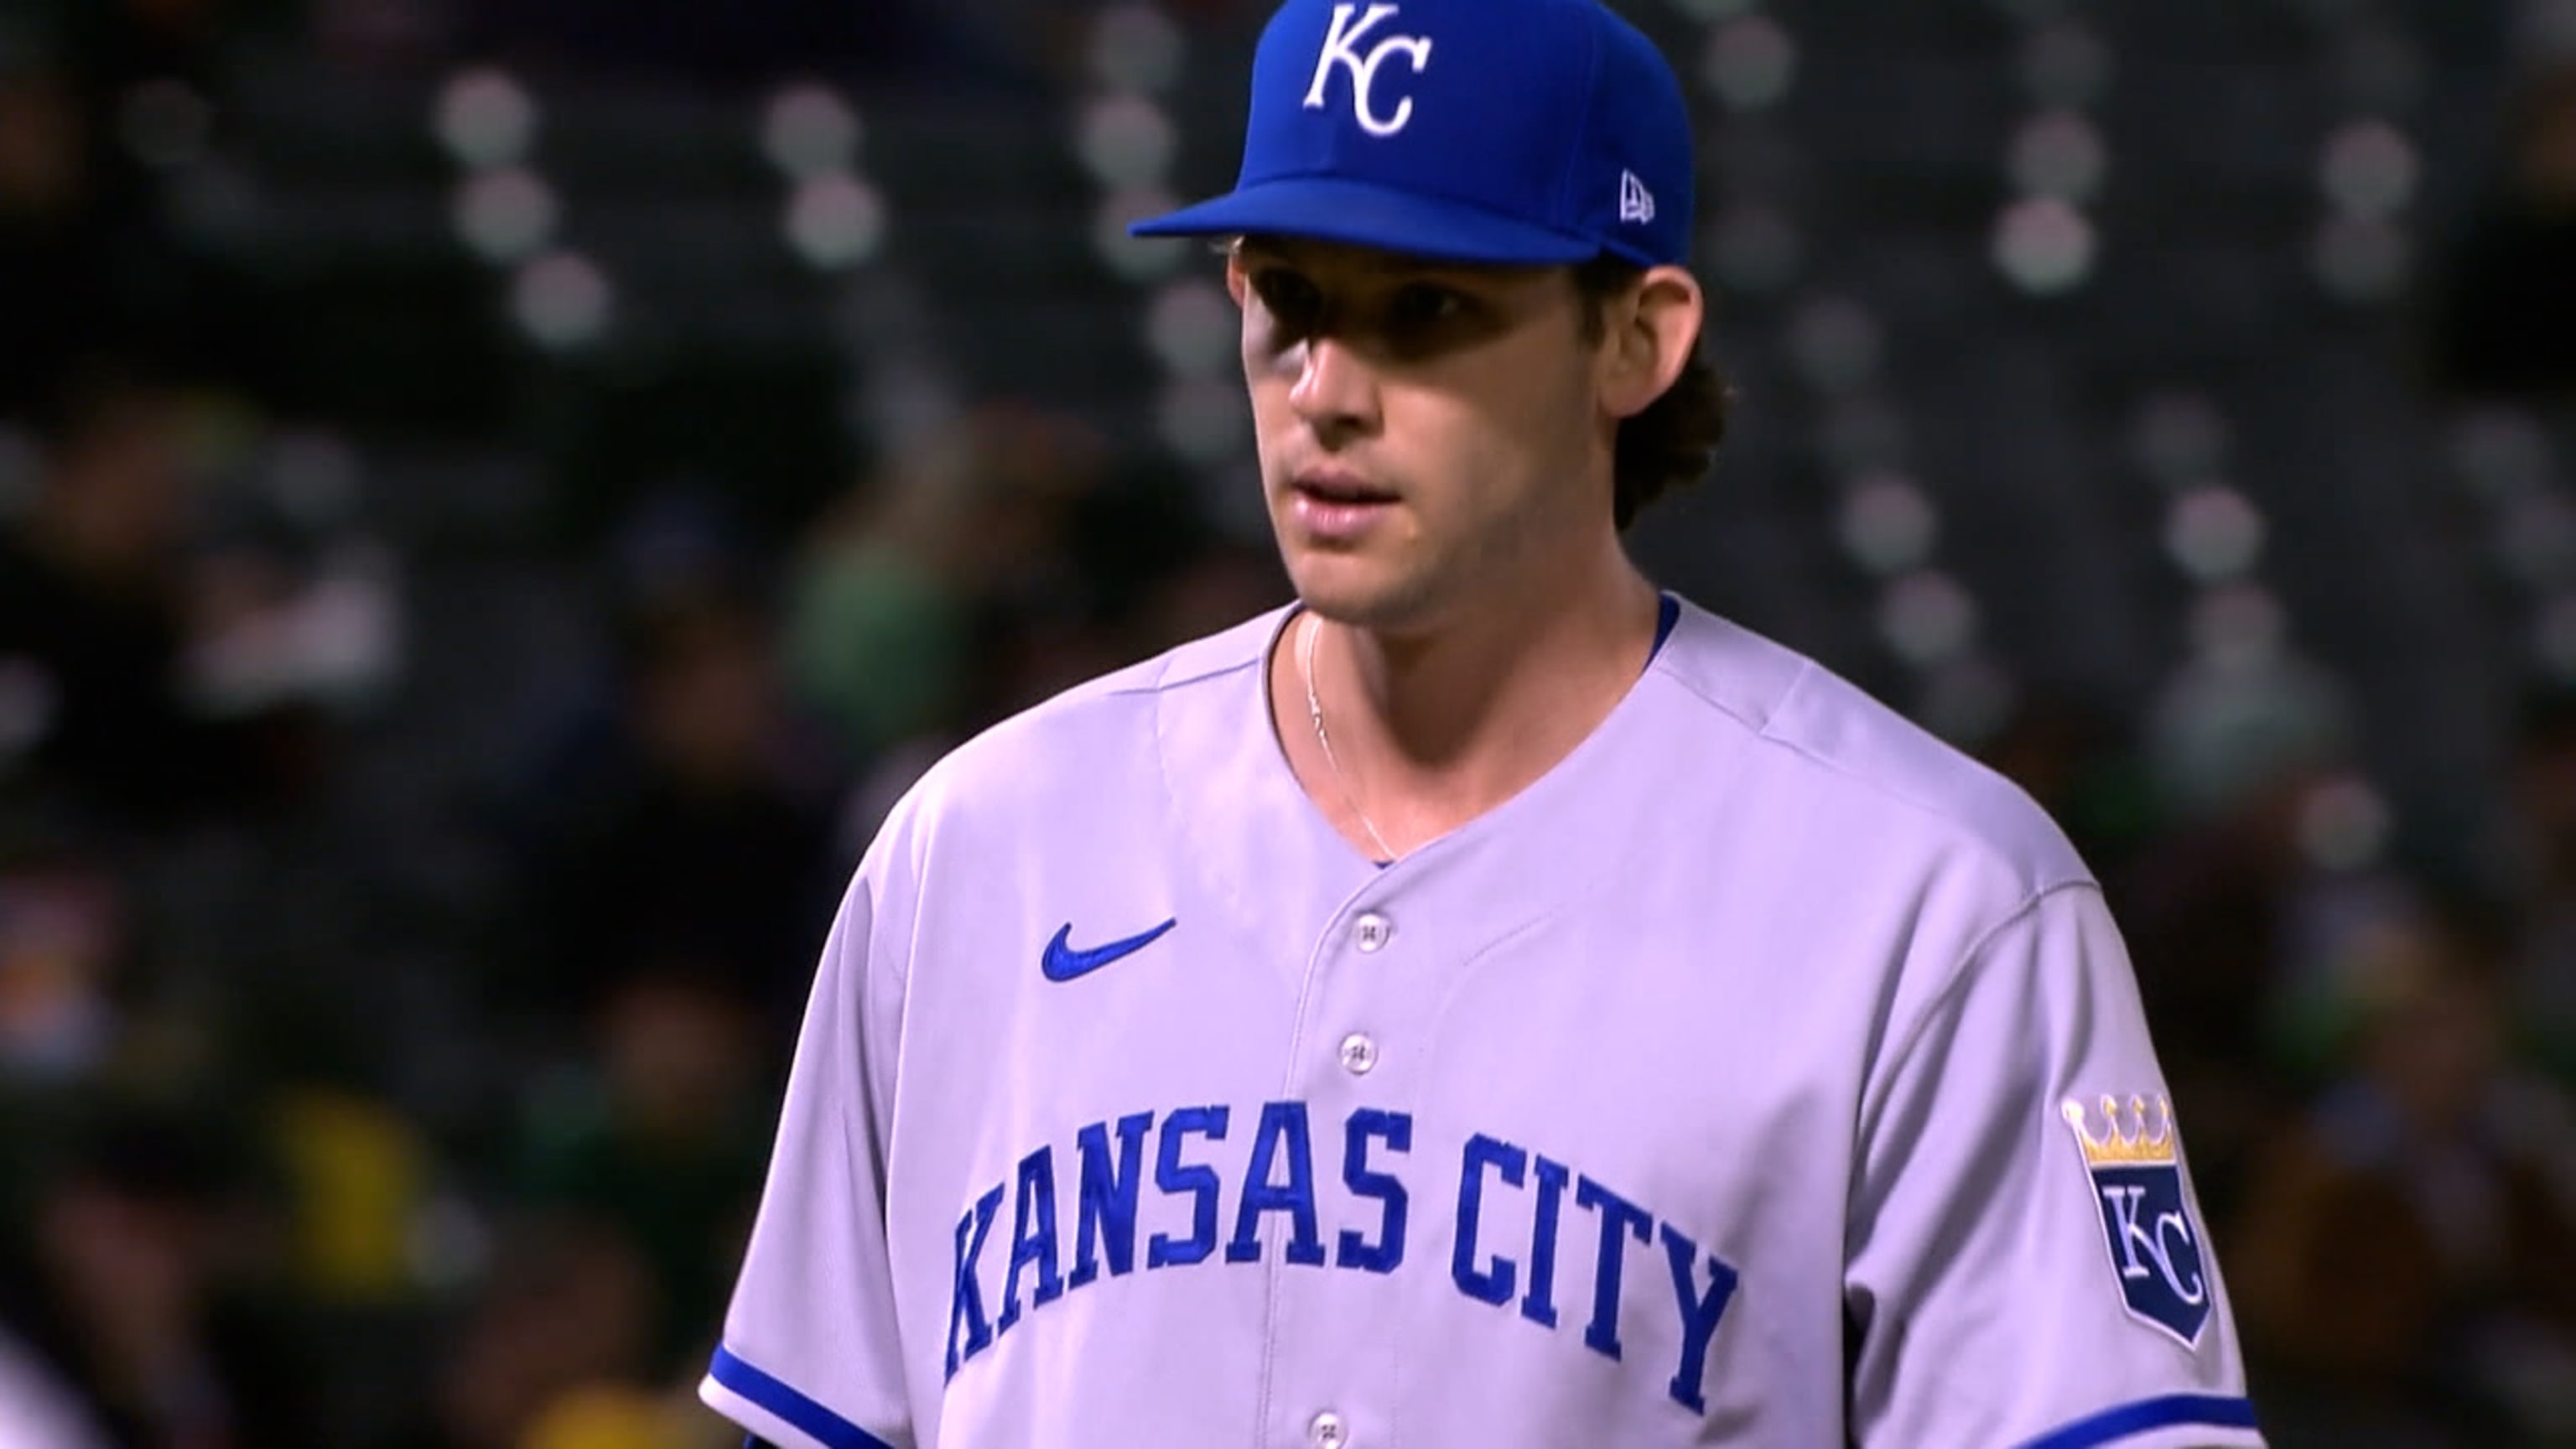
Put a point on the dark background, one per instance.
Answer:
(497, 495)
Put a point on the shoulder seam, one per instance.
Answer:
(1759, 729)
(1956, 977)
(1809, 670)
(1153, 676)
(1164, 678)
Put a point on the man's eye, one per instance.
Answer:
(1419, 306)
(1292, 301)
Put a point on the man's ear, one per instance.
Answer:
(1236, 281)
(1649, 334)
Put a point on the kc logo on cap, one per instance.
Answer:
(1341, 44)
(1514, 132)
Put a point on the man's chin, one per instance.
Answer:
(1361, 595)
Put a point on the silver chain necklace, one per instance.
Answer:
(1315, 712)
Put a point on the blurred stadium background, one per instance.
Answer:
(496, 496)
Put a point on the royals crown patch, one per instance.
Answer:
(2136, 1172)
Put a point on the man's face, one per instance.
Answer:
(1430, 435)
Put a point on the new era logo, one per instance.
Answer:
(1636, 203)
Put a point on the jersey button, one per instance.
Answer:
(1373, 931)
(1328, 1431)
(1359, 1054)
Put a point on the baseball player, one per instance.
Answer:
(1489, 1002)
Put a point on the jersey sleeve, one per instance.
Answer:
(2025, 1260)
(809, 1358)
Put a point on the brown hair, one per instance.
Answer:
(1671, 444)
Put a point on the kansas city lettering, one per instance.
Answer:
(1062, 1222)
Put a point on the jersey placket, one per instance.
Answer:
(1331, 1350)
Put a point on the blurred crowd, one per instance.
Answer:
(274, 1173)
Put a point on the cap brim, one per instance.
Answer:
(1358, 213)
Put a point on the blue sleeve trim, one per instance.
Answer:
(2173, 1411)
(828, 1428)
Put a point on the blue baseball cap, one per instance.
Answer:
(1540, 132)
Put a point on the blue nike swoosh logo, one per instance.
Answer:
(1064, 963)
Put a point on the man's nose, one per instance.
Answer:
(1336, 387)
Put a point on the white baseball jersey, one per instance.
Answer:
(1766, 1074)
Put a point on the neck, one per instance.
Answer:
(1435, 725)
(1439, 698)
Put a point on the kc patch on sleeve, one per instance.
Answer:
(2135, 1172)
